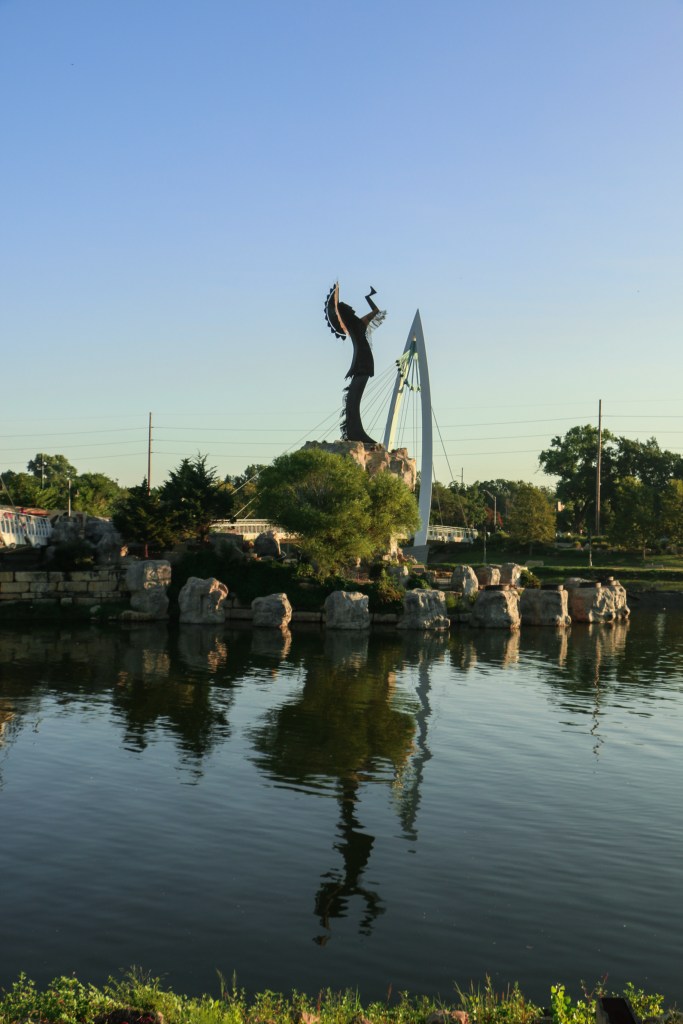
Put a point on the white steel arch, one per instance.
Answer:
(415, 353)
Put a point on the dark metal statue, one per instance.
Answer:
(343, 321)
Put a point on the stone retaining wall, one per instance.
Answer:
(93, 586)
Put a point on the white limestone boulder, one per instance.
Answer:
(202, 602)
(488, 575)
(464, 580)
(496, 609)
(147, 583)
(271, 612)
(510, 573)
(591, 601)
(541, 607)
(424, 609)
(619, 597)
(346, 609)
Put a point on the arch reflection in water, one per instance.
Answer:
(345, 731)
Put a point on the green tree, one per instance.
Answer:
(338, 511)
(635, 523)
(323, 498)
(645, 461)
(95, 494)
(51, 469)
(245, 488)
(142, 517)
(23, 489)
(196, 498)
(531, 517)
(393, 510)
(504, 492)
(573, 459)
(671, 511)
(447, 506)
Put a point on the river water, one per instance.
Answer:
(341, 810)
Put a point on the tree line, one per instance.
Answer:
(641, 496)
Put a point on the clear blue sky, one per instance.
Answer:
(183, 181)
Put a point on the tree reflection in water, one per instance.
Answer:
(343, 726)
(165, 679)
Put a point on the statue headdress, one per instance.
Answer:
(332, 314)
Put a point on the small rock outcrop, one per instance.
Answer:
(544, 607)
(496, 609)
(267, 545)
(373, 458)
(488, 575)
(147, 583)
(271, 612)
(346, 609)
(510, 573)
(424, 609)
(201, 602)
(399, 573)
(592, 601)
(105, 538)
(464, 580)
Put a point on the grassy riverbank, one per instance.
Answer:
(137, 999)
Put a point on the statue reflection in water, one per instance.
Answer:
(344, 727)
(338, 887)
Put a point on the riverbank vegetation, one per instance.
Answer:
(341, 514)
(140, 999)
(305, 588)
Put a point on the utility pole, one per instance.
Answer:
(149, 455)
(598, 471)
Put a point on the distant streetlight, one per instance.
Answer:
(68, 507)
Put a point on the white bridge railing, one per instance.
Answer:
(250, 528)
(452, 534)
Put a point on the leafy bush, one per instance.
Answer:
(384, 593)
(417, 583)
(528, 579)
(565, 1010)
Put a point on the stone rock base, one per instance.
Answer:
(201, 602)
(496, 609)
(544, 607)
(424, 609)
(347, 610)
(271, 612)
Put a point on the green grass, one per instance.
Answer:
(657, 572)
(140, 999)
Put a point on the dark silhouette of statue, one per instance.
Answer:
(343, 321)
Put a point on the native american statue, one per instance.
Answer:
(343, 321)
